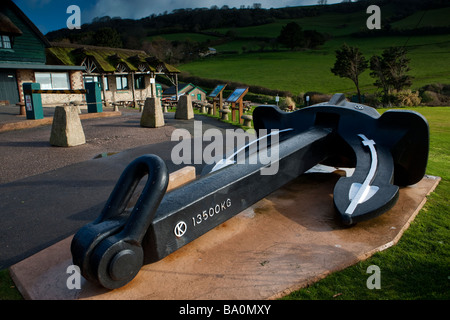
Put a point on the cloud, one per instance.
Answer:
(136, 9)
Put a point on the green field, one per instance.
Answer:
(302, 71)
(331, 23)
(196, 37)
(431, 18)
(309, 70)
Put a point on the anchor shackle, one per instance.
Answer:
(108, 250)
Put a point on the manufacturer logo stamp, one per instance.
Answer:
(180, 229)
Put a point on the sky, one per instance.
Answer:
(49, 15)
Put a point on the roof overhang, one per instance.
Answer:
(47, 67)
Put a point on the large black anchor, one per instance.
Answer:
(386, 151)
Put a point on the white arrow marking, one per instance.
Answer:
(362, 192)
(229, 161)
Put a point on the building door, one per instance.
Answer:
(199, 96)
(8, 86)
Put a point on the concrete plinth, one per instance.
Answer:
(152, 115)
(284, 242)
(185, 110)
(67, 130)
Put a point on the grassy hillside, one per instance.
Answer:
(335, 24)
(302, 71)
(184, 36)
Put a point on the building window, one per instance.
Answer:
(139, 82)
(53, 80)
(97, 79)
(121, 82)
(106, 83)
(5, 42)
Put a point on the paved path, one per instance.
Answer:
(47, 193)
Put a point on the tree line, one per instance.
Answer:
(133, 32)
(388, 69)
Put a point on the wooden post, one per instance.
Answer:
(214, 106)
(104, 90)
(233, 111)
(241, 111)
(176, 87)
(132, 90)
(152, 85)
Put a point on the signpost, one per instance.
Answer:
(237, 96)
(33, 103)
(217, 95)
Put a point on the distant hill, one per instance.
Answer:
(190, 31)
(248, 53)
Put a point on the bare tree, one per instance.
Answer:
(350, 63)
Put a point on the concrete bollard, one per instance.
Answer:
(184, 108)
(152, 115)
(67, 130)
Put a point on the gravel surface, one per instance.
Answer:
(27, 152)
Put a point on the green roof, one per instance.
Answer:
(106, 59)
(197, 87)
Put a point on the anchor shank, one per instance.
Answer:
(190, 211)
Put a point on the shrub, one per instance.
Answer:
(406, 98)
(287, 103)
(430, 97)
(435, 94)
(373, 100)
(261, 99)
(317, 97)
(298, 99)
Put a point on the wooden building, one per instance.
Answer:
(125, 75)
(197, 93)
(23, 57)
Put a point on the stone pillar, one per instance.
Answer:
(152, 115)
(67, 130)
(184, 108)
